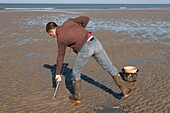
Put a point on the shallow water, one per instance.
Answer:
(137, 28)
(135, 61)
(32, 56)
(147, 29)
(160, 60)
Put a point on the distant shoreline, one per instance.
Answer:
(83, 6)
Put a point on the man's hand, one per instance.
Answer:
(58, 78)
(82, 21)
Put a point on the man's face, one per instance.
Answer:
(52, 33)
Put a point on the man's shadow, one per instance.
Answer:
(67, 72)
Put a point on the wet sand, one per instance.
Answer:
(130, 37)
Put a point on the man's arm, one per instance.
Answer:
(60, 57)
(82, 20)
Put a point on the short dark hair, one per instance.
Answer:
(50, 25)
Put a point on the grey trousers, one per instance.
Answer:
(93, 49)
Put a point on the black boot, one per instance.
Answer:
(77, 96)
(118, 80)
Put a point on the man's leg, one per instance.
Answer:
(78, 66)
(83, 56)
(102, 58)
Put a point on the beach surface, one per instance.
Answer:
(130, 37)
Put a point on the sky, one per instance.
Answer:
(90, 1)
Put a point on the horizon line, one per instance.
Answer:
(92, 3)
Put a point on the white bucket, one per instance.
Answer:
(130, 69)
(130, 73)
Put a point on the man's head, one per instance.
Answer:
(51, 29)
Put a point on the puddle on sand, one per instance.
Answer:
(135, 61)
(33, 55)
(146, 29)
(137, 28)
(157, 59)
(16, 61)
